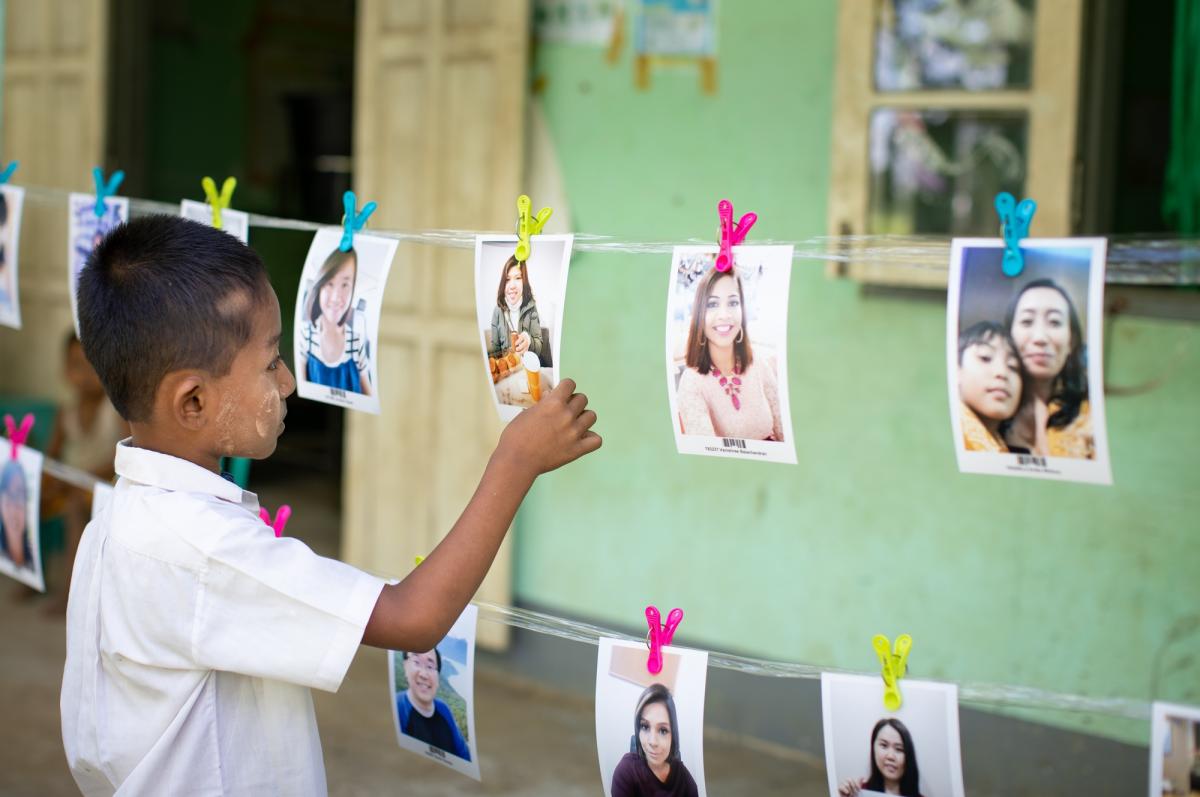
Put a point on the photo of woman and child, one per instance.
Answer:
(12, 199)
(433, 698)
(867, 755)
(727, 384)
(659, 753)
(337, 319)
(20, 547)
(519, 311)
(1024, 360)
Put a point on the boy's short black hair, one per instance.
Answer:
(160, 294)
(984, 332)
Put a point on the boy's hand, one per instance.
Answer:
(553, 432)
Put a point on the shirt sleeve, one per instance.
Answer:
(271, 608)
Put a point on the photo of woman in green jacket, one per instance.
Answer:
(515, 323)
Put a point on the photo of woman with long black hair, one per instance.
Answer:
(653, 766)
(893, 765)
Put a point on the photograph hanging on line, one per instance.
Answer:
(870, 750)
(1024, 360)
(433, 698)
(84, 231)
(519, 308)
(650, 727)
(234, 222)
(12, 201)
(1174, 750)
(727, 379)
(20, 532)
(336, 331)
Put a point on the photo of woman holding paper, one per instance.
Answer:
(653, 766)
(893, 763)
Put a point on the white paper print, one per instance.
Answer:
(1024, 360)
(12, 201)
(234, 222)
(650, 727)
(336, 330)
(20, 531)
(726, 344)
(433, 698)
(914, 750)
(519, 309)
(84, 230)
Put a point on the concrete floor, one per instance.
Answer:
(532, 740)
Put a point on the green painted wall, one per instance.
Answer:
(1068, 587)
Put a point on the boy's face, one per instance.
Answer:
(989, 379)
(251, 397)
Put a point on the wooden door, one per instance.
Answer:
(55, 57)
(438, 143)
(952, 102)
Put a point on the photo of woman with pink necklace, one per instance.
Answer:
(724, 387)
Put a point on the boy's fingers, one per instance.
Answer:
(589, 442)
(585, 420)
(564, 389)
(577, 403)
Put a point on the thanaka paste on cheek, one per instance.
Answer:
(266, 422)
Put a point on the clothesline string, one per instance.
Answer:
(998, 695)
(1132, 260)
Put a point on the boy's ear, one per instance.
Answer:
(187, 396)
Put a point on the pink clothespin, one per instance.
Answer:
(731, 234)
(281, 518)
(660, 636)
(18, 435)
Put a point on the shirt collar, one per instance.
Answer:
(172, 473)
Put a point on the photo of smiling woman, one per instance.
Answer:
(337, 319)
(726, 353)
(1024, 359)
(871, 752)
(20, 480)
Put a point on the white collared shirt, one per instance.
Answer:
(193, 637)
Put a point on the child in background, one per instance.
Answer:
(193, 633)
(86, 432)
(990, 379)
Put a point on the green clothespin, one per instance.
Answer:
(218, 202)
(528, 225)
(894, 663)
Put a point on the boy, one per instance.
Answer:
(990, 377)
(193, 633)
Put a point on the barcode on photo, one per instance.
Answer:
(1024, 459)
(336, 393)
(733, 442)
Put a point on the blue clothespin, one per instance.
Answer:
(8, 172)
(1014, 225)
(353, 221)
(105, 189)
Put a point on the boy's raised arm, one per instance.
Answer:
(418, 612)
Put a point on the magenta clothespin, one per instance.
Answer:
(660, 636)
(281, 518)
(18, 435)
(731, 234)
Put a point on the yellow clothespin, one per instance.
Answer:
(418, 560)
(894, 662)
(218, 202)
(528, 225)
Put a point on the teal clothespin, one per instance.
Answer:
(894, 663)
(105, 188)
(1014, 225)
(353, 221)
(8, 172)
